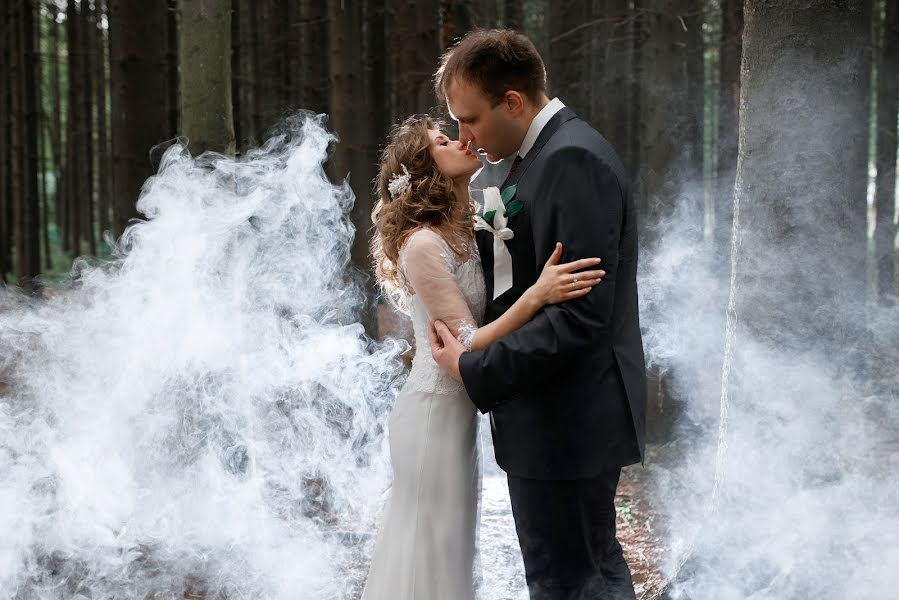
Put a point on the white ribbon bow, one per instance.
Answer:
(502, 260)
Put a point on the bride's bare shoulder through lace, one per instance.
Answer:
(440, 285)
(425, 241)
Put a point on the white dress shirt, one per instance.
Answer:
(546, 113)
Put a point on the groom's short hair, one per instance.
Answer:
(495, 60)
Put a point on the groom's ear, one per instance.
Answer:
(514, 102)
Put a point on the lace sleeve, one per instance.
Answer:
(428, 264)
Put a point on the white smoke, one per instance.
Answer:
(780, 481)
(205, 412)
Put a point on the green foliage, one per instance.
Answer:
(508, 193)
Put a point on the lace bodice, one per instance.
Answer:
(441, 286)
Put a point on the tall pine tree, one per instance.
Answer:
(141, 114)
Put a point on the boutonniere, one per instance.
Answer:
(494, 201)
(499, 207)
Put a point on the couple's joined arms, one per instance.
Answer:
(427, 264)
(585, 206)
(557, 283)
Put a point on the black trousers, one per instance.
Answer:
(566, 530)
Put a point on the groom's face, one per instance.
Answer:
(491, 130)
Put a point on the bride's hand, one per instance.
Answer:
(559, 283)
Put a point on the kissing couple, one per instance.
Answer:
(513, 317)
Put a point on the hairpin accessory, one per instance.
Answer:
(398, 183)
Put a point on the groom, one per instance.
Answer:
(566, 393)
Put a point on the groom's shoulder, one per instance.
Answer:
(576, 142)
(577, 133)
(576, 138)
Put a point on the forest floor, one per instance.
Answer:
(639, 528)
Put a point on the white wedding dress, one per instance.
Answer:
(426, 543)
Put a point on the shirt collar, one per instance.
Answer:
(546, 113)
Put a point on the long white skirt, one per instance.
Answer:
(425, 547)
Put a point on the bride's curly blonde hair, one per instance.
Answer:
(428, 200)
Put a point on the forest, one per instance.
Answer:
(196, 366)
(94, 90)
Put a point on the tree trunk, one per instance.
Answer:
(100, 89)
(347, 69)
(74, 174)
(56, 130)
(514, 14)
(799, 202)
(43, 131)
(414, 54)
(347, 82)
(270, 54)
(731, 50)
(16, 125)
(140, 95)
(667, 127)
(27, 204)
(257, 15)
(282, 15)
(171, 66)
(205, 67)
(484, 13)
(570, 59)
(612, 91)
(236, 75)
(669, 144)
(535, 25)
(598, 32)
(693, 17)
(885, 194)
(314, 41)
(455, 21)
(88, 123)
(293, 47)
(376, 60)
(243, 73)
(7, 89)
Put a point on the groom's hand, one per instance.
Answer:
(445, 348)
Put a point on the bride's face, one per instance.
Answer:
(453, 159)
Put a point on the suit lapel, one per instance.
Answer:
(484, 238)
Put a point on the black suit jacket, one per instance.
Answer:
(566, 392)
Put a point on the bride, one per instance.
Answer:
(427, 263)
